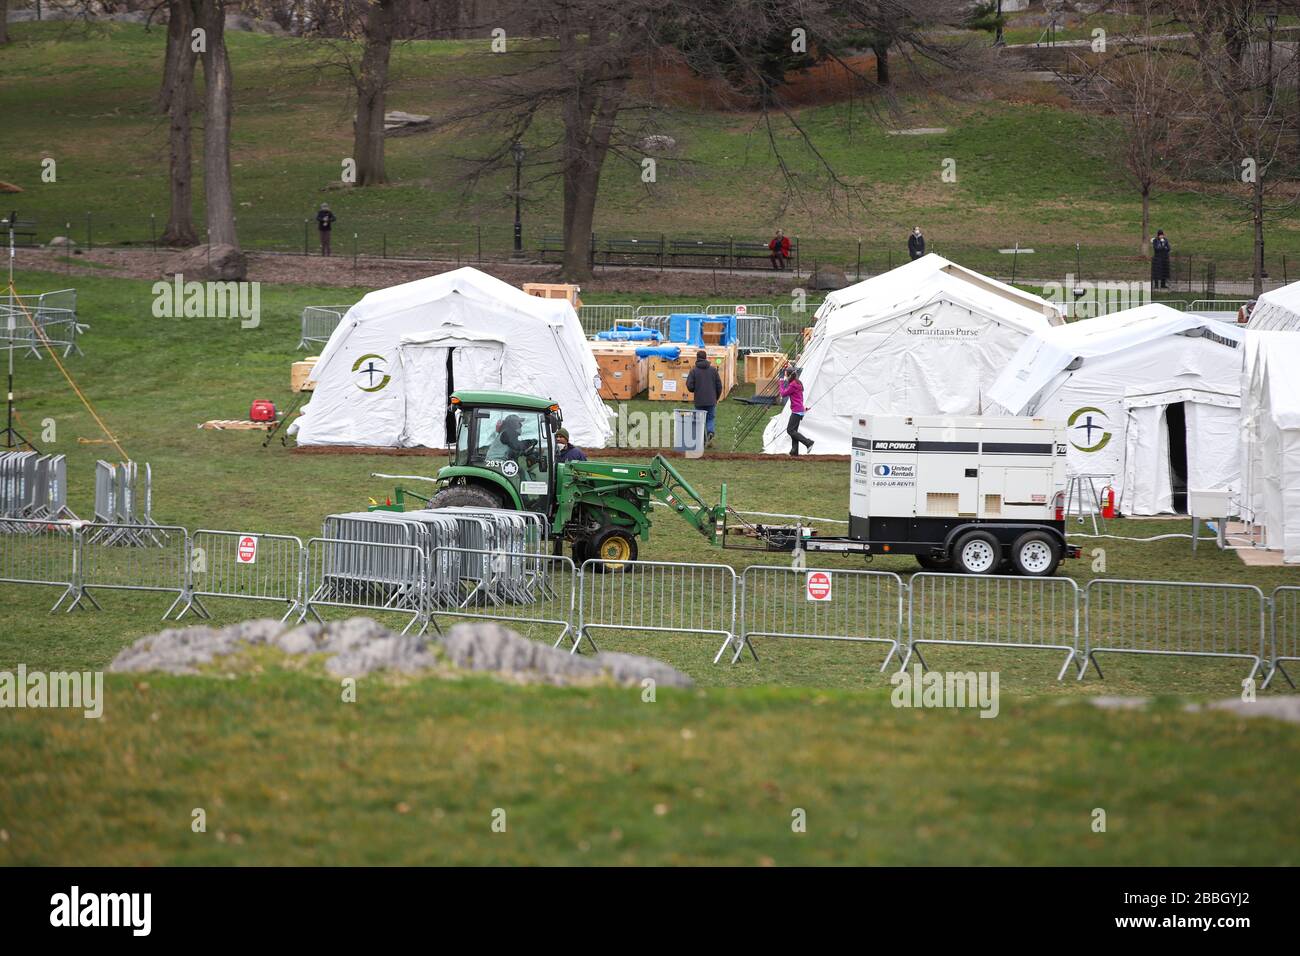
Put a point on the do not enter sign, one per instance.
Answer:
(818, 585)
(246, 551)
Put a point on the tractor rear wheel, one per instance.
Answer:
(465, 496)
(613, 547)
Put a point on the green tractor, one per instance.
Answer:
(505, 458)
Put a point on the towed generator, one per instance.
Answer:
(974, 495)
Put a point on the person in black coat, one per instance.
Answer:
(1160, 261)
(324, 223)
(916, 243)
(705, 385)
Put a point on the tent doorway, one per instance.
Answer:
(431, 372)
(1176, 427)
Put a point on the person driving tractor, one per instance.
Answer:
(507, 445)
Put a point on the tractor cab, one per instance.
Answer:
(505, 450)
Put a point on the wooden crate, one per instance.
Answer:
(300, 374)
(622, 374)
(762, 367)
(554, 290)
(668, 376)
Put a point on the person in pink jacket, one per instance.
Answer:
(790, 387)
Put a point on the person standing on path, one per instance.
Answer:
(324, 220)
(1160, 261)
(790, 387)
(705, 384)
(916, 243)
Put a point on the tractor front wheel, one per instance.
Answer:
(465, 496)
(613, 548)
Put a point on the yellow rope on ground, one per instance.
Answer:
(80, 394)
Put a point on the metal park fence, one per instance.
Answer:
(658, 596)
(993, 611)
(1186, 619)
(417, 569)
(812, 604)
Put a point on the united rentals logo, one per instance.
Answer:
(371, 372)
(1094, 421)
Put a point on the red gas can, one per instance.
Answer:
(262, 410)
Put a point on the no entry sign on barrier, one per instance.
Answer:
(246, 551)
(818, 585)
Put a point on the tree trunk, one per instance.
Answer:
(218, 193)
(1144, 244)
(882, 63)
(587, 134)
(176, 99)
(372, 87)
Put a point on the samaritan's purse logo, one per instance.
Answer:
(1091, 421)
(371, 372)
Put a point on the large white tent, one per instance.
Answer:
(1151, 397)
(927, 338)
(386, 373)
(1270, 439)
(1277, 311)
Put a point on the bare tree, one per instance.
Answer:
(218, 192)
(593, 69)
(371, 82)
(176, 100)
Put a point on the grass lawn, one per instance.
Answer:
(412, 772)
(1028, 169)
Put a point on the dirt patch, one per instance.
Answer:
(147, 264)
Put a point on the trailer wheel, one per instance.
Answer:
(1036, 554)
(928, 563)
(614, 547)
(977, 552)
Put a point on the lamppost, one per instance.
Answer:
(999, 40)
(517, 151)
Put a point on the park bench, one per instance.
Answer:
(708, 252)
(635, 251)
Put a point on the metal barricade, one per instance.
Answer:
(249, 566)
(992, 611)
(647, 310)
(519, 587)
(40, 553)
(746, 308)
(106, 565)
(319, 323)
(367, 575)
(602, 318)
(794, 321)
(1180, 618)
(821, 604)
(1284, 641)
(657, 596)
(32, 321)
(758, 333)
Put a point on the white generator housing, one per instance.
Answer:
(996, 469)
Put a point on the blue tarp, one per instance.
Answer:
(686, 327)
(670, 352)
(629, 335)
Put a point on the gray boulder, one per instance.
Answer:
(222, 262)
(828, 278)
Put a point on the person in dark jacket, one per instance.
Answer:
(790, 387)
(566, 450)
(324, 222)
(916, 243)
(705, 384)
(1160, 261)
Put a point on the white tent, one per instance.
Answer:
(1151, 397)
(927, 338)
(1277, 311)
(1270, 439)
(386, 373)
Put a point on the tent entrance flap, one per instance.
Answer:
(431, 371)
(1176, 426)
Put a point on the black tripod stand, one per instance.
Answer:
(13, 438)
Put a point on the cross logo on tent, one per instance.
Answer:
(1088, 427)
(367, 371)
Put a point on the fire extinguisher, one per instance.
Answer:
(1059, 502)
(1108, 502)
